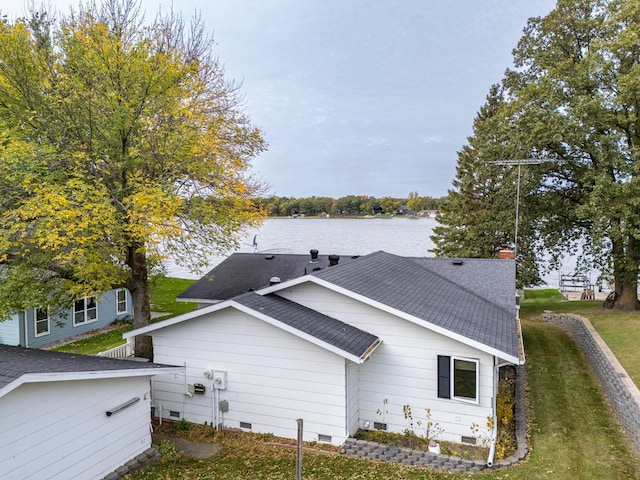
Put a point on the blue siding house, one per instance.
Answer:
(36, 327)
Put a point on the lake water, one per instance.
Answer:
(341, 236)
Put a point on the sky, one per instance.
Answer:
(358, 97)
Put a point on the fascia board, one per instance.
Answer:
(93, 375)
(179, 319)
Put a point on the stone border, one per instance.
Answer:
(621, 391)
(145, 459)
(420, 458)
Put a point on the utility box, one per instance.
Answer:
(224, 406)
(198, 388)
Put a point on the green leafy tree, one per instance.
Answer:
(120, 142)
(477, 219)
(573, 98)
(577, 94)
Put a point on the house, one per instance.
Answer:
(65, 416)
(39, 327)
(348, 347)
(402, 210)
(244, 272)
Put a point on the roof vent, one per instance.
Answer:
(314, 256)
(269, 257)
(458, 261)
(274, 280)
(333, 260)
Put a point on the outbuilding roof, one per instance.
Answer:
(20, 365)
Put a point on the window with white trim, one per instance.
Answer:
(121, 301)
(85, 310)
(41, 322)
(458, 378)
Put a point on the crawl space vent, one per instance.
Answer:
(245, 425)
(469, 440)
(173, 413)
(324, 438)
(380, 426)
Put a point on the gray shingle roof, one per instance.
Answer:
(18, 361)
(492, 279)
(243, 272)
(406, 285)
(334, 332)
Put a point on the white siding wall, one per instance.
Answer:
(273, 377)
(60, 430)
(403, 370)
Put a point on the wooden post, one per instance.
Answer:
(299, 451)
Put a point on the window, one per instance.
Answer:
(85, 310)
(121, 301)
(458, 378)
(41, 322)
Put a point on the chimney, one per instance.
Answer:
(333, 260)
(314, 256)
(507, 254)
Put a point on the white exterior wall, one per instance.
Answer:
(273, 377)
(60, 430)
(403, 370)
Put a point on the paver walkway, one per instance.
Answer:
(191, 449)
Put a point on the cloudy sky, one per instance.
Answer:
(362, 97)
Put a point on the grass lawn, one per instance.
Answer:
(163, 299)
(164, 291)
(619, 330)
(572, 435)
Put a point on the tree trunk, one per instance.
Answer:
(626, 278)
(139, 288)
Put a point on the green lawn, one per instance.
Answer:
(619, 330)
(163, 292)
(572, 434)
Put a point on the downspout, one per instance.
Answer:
(26, 328)
(494, 432)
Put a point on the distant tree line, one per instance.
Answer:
(276, 206)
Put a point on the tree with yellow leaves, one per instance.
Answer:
(120, 142)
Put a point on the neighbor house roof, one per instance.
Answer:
(20, 365)
(411, 290)
(244, 272)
